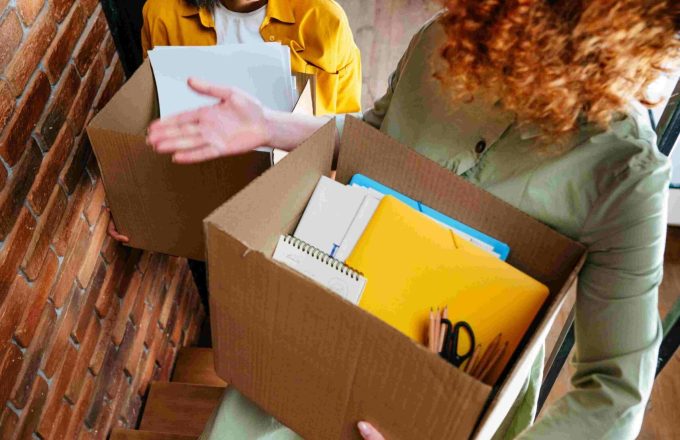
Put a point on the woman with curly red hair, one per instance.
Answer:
(539, 102)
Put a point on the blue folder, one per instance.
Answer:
(502, 249)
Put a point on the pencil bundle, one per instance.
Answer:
(480, 364)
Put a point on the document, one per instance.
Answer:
(261, 70)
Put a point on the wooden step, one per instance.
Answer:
(196, 365)
(130, 434)
(179, 408)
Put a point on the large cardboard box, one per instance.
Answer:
(319, 363)
(160, 205)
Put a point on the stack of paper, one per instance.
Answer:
(262, 70)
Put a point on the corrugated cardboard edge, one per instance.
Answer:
(504, 394)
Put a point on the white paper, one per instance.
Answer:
(261, 70)
(329, 214)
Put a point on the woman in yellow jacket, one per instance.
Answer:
(316, 31)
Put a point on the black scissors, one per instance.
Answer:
(450, 348)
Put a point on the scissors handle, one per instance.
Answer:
(450, 351)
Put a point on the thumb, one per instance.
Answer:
(368, 432)
(208, 89)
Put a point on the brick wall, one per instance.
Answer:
(85, 324)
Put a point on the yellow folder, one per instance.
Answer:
(413, 263)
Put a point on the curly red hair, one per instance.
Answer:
(555, 61)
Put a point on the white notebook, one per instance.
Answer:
(320, 267)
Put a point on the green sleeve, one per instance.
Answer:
(617, 324)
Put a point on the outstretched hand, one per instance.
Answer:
(234, 125)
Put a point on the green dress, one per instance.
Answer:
(605, 189)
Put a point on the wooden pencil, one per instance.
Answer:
(437, 324)
(486, 357)
(473, 360)
(430, 341)
(442, 331)
(493, 362)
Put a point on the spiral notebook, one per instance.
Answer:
(320, 267)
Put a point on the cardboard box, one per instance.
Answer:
(319, 363)
(160, 205)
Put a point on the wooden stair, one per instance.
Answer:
(179, 410)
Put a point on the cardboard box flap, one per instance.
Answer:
(246, 215)
(133, 106)
(535, 248)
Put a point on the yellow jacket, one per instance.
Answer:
(317, 32)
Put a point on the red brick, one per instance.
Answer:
(13, 251)
(67, 229)
(33, 356)
(77, 246)
(10, 366)
(89, 5)
(96, 203)
(75, 166)
(172, 294)
(11, 34)
(8, 423)
(93, 289)
(62, 101)
(25, 119)
(129, 300)
(60, 9)
(104, 379)
(85, 98)
(61, 49)
(137, 346)
(13, 194)
(29, 9)
(150, 364)
(49, 171)
(114, 81)
(76, 423)
(111, 249)
(55, 396)
(89, 45)
(61, 421)
(11, 309)
(92, 253)
(109, 49)
(109, 288)
(29, 54)
(7, 102)
(82, 364)
(54, 355)
(49, 221)
(38, 299)
(132, 411)
(97, 359)
(28, 421)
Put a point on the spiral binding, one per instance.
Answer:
(323, 257)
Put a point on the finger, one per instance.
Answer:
(176, 144)
(209, 89)
(179, 118)
(113, 232)
(197, 155)
(165, 131)
(368, 432)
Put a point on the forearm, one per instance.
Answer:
(288, 130)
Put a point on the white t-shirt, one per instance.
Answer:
(238, 27)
